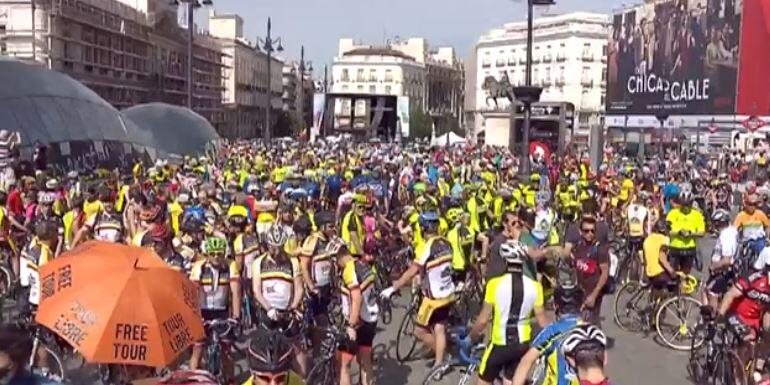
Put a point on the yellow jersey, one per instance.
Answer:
(692, 221)
(652, 246)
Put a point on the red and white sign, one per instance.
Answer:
(539, 150)
(754, 123)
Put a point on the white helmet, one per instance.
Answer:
(277, 236)
(513, 252)
(586, 335)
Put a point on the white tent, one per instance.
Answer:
(442, 140)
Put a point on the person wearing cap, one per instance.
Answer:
(753, 224)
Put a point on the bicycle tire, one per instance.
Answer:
(6, 282)
(729, 369)
(671, 307)
(406, 331)
(628, 315)
(213, 362)
(56, 365)
(465, 378)
(322, 373)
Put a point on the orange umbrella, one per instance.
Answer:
(119, 304)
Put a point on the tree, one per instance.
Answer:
(420, 124)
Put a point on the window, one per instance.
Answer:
(345, 75)
(372, 75)
(388, 75)
(535, 75)
(604, 50)
(372, 89)
(586, 47)
(360, 75)
(344, 87)
(604, 76)
(387, 89)
(602, 100)
(360, 88)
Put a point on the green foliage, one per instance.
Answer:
(420, 124)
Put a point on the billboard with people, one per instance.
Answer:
(677, 56)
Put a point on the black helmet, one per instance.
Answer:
(270, 352)
(568, 297)
(662, 226)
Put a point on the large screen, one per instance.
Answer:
(677, 56)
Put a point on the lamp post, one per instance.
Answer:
(191, 6)
(34, 31)
(662, 117)
(267, 45)
(301, 90)
(528, 94)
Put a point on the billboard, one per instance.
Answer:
(319, 102)
(676, 56)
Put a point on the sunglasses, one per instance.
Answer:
(589, 231)
(268, 378)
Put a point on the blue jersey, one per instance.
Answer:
(548, 343)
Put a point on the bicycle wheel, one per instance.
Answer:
(697, 363)
(728, 370)
(55, 366)
(537, 377)
(6, 282)
(453, 373)
(675, 322)
(405, 339)
(630, 308)
(322, 373)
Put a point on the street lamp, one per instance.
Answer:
(191, 6)
(301, 92)
(267, 45)
(529, 94)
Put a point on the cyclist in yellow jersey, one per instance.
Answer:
(353, 229)
(687, 224)
(657, 268)
(461, 237)
(511, 300)
(433, 261)
(270, 356)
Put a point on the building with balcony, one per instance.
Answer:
(431, 78)
(567, 59)
(244, 78)
(298, 91)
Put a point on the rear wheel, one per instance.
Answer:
(632, 304)
(729, 369)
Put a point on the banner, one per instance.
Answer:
(319, 104)
(754, 82)
(403, 115)
(677, 56)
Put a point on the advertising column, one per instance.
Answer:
(678, 57)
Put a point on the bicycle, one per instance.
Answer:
(630, 265)
(44, 346)
(405, 333)
(635, 311)
(324, 372)
(717, 361)
(217, 330)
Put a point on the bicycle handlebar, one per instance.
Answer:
(217, 326)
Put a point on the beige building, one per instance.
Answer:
(432, 79)
(245, 78)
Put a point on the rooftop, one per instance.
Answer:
(378, 51)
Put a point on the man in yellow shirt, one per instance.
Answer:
(687, 224)
(657, 267)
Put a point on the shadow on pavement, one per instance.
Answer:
(387, 368)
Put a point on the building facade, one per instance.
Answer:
(127, 51)
(298, 91)
(569, 61)
(431, 79)
(244, 78)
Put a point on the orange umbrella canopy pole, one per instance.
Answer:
(119, 304)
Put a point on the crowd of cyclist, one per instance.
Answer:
(284, 236)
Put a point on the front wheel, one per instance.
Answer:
(676, 322)
(406, 341)
(54, 370)
(631, 307)
(729, 369)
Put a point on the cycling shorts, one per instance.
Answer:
(663, 281)
(364, 338)
(433, 311)
(682, 259)
(719, 283)
(501, 358)
(319, 303)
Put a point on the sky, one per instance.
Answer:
(318, 24)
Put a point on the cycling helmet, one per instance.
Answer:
(324, 218)
(189, 377)
(191, 225)
(644, 195)
(46, 199)
(505, 193)
(237, 220)
(583, 337)
(542, 197)
(215, 245)
(52, 184)
(567, 296)
(270, 352)
(429, 218)
(685, 197)
(513, 252)
(276, 236)
(662, 226)
(150, 213)
(453, 215)
(720, 216)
